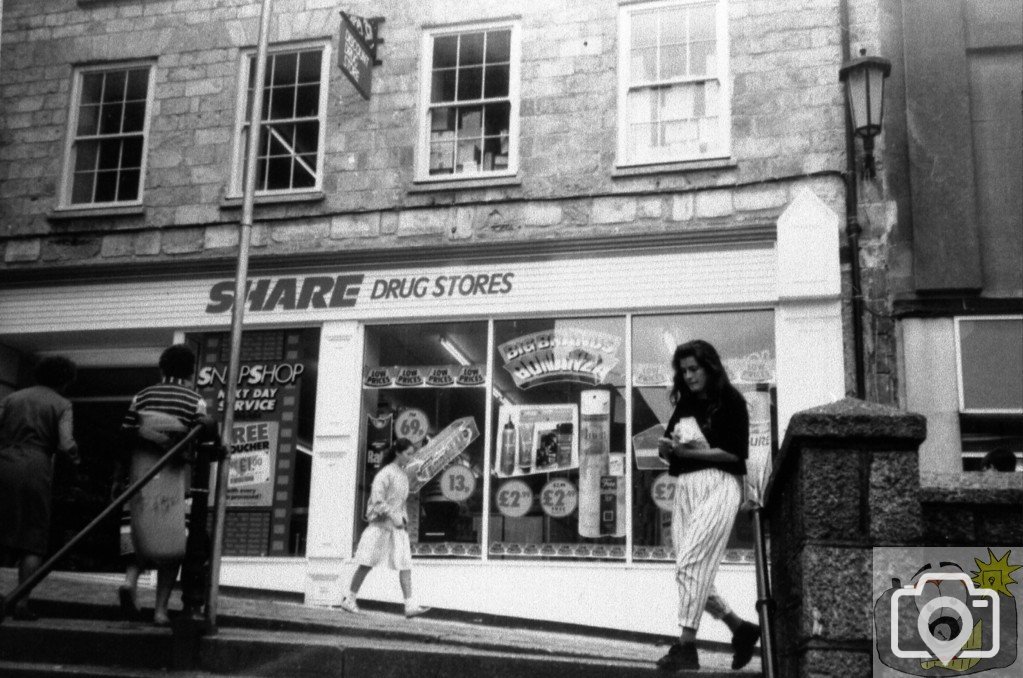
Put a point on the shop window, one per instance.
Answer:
(673, 97)
(290, 152)
(990, 366)
(109, 125)
(469, 110)
(745, 342)
(268, 486)
(558, 466)
(426, 382)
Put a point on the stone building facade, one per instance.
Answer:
(669, 162)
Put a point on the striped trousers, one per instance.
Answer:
(706, 503)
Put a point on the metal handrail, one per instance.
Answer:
(765, 604)
(25, 587)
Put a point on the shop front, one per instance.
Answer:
(534, 389)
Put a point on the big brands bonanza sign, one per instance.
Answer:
(561, 354)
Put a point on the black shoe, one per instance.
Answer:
(744, 640)
(679, 658)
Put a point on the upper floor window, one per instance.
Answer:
(469, 106)
(106, 154)
(673, 98)
(289, 157)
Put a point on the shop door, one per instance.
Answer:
(100, 397)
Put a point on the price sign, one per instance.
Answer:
(558, 498)
(412, 424)
(663, 491)
(514, 499)
(457, 483)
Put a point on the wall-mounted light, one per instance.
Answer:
(864, 86)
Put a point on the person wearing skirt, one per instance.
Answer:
(385, 540)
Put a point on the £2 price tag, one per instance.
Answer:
(514, 499)
(558, 498)
(663, 491)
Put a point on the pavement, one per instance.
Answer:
(248, 621)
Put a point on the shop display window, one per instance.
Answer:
(558, 484)
(426, 382)
(271, 462)
(745, 342)
(531, 442)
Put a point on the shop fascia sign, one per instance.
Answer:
(301, 293)
(358, 50)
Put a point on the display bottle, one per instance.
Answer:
(594, 457)
(508, 448)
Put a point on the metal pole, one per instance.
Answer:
(240, 285)
(765, 606)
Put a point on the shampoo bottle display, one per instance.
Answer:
(594, 458)
(508, 448)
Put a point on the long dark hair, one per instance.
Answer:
(707, 357)
(400, 445)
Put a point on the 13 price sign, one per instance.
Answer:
(558, 498)
(457, 483)
(514, 499)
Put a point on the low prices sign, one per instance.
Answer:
(434, 457)
(251, 464)
(561, 354)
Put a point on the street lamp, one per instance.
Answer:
(864, 82)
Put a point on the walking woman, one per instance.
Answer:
(707, 445)
(385, 540)
(35, 422)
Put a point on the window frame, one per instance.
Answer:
(723, 77)
(963, 409)
(235, 188)
(68, 173)
(422, 155)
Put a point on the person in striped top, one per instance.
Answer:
(161, 414)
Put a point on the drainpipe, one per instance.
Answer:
(852, 221)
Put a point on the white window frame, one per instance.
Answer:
(68, 173)
(241, 121)
(422, 170)
(959, 365)
(625, 14)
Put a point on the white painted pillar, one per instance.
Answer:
(335, 462)
(808, 324)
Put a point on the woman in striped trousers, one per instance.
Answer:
(706, 445)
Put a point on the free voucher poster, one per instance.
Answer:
(253, 456)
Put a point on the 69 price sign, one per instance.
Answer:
(412, 424)
(558, 498)
(514, 499)
(663, 491)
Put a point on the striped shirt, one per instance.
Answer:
(171, 396)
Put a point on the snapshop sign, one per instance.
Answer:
(300, 293)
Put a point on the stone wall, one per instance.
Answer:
(786, 123)
(845, 481)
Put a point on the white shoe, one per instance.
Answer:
(348, 604)
(415, 611)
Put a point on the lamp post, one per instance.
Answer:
(864, 86)
(864, 95)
